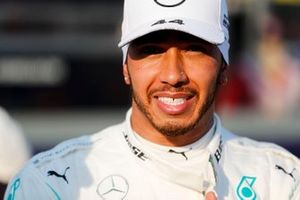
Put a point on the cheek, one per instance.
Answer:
(142, 75)
(203, 74)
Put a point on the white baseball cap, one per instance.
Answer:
(206, 19)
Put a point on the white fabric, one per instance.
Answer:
(14, 149)
(163, 151)
(199, 176)
(113, 164)
(206, 19)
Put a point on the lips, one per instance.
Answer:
(174, 103)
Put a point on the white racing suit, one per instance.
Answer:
(115, 164)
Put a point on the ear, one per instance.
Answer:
(126, 74)
(223, 79)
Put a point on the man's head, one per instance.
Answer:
(174, 62)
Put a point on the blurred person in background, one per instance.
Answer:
(237, 93)
(172, 144)
(277, 81)
(266, 78)
(14, 149)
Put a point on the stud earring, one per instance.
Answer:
(126, 79)
(225, 80)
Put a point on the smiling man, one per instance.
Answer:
(169, 98)
(172, 144)
(171, 105)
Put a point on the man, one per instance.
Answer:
(171, 145)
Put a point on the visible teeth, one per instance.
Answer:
(171, 101)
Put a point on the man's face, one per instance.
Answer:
(173, 78)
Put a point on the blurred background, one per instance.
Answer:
(61, 75)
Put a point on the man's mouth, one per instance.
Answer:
(172, 101)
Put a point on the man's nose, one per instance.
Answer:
(172, 68)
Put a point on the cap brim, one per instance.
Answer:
(204, 31)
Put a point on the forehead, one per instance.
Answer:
(165, 36)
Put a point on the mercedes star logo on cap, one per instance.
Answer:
(169, 3)
(114, 187)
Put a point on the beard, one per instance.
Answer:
(172, 128)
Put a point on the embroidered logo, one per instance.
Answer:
(169, 3)
(63, 176)
(180, 152)
(113, 187)
(245, 188)
(135, 150)
(174, 21)
(218, 153)
(286, 172)
(13, 188)
(226, 22)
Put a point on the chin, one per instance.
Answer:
(175, 127)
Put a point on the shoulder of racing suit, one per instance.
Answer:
(48, 171)
(75, 146)
(249, 146)
(272, 167)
